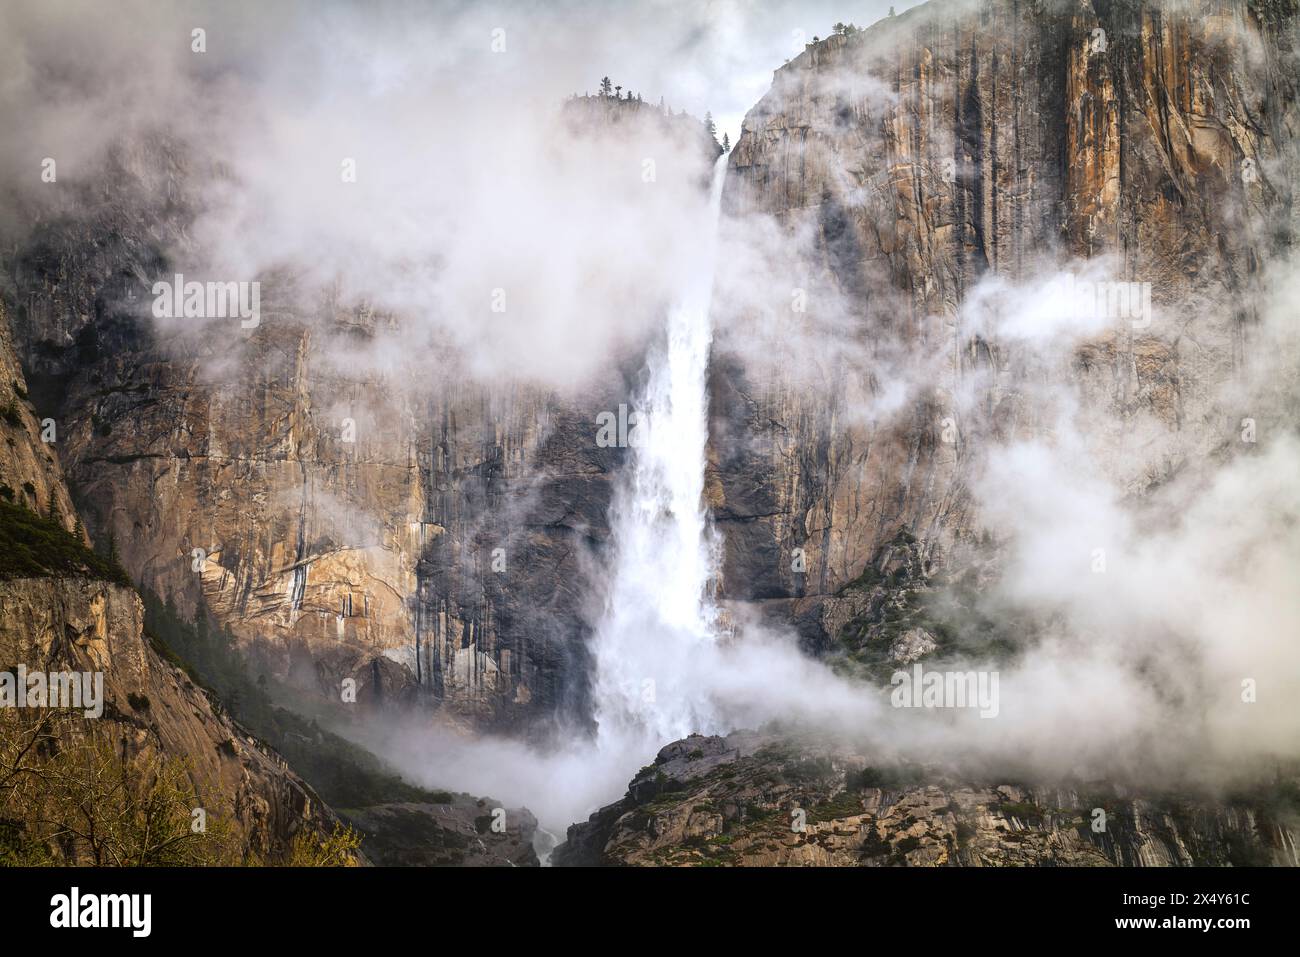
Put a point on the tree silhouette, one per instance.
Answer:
(115, 559)
(606, 88)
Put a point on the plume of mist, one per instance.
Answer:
(467, 181)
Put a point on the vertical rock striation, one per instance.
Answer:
(964, 143)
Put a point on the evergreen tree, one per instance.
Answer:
(710, 125)
(606, 89)
(726, 143)
(115, 560)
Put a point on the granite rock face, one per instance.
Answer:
(769, 799)
(963, 147)
(422, 541)
(30, 473)
(151, 706)
(346, 515)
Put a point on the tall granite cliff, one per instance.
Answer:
(402, 525)
(62, 610)
(942, 151)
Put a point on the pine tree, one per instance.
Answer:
(606, 89)
(710, 125)
(726, 143)
(115, 560)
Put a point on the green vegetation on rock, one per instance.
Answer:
(36, 546)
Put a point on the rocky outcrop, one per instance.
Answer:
(461, 832)
(771, 799)
(629, 117)
(151, 706)
(949, 146)
(30, 473)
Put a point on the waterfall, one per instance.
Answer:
(658, 613)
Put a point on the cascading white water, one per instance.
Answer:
(659, 614)
(661, 670)
(658, 670)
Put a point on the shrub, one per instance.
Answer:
(336, 849)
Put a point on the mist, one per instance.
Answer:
(495, 241)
